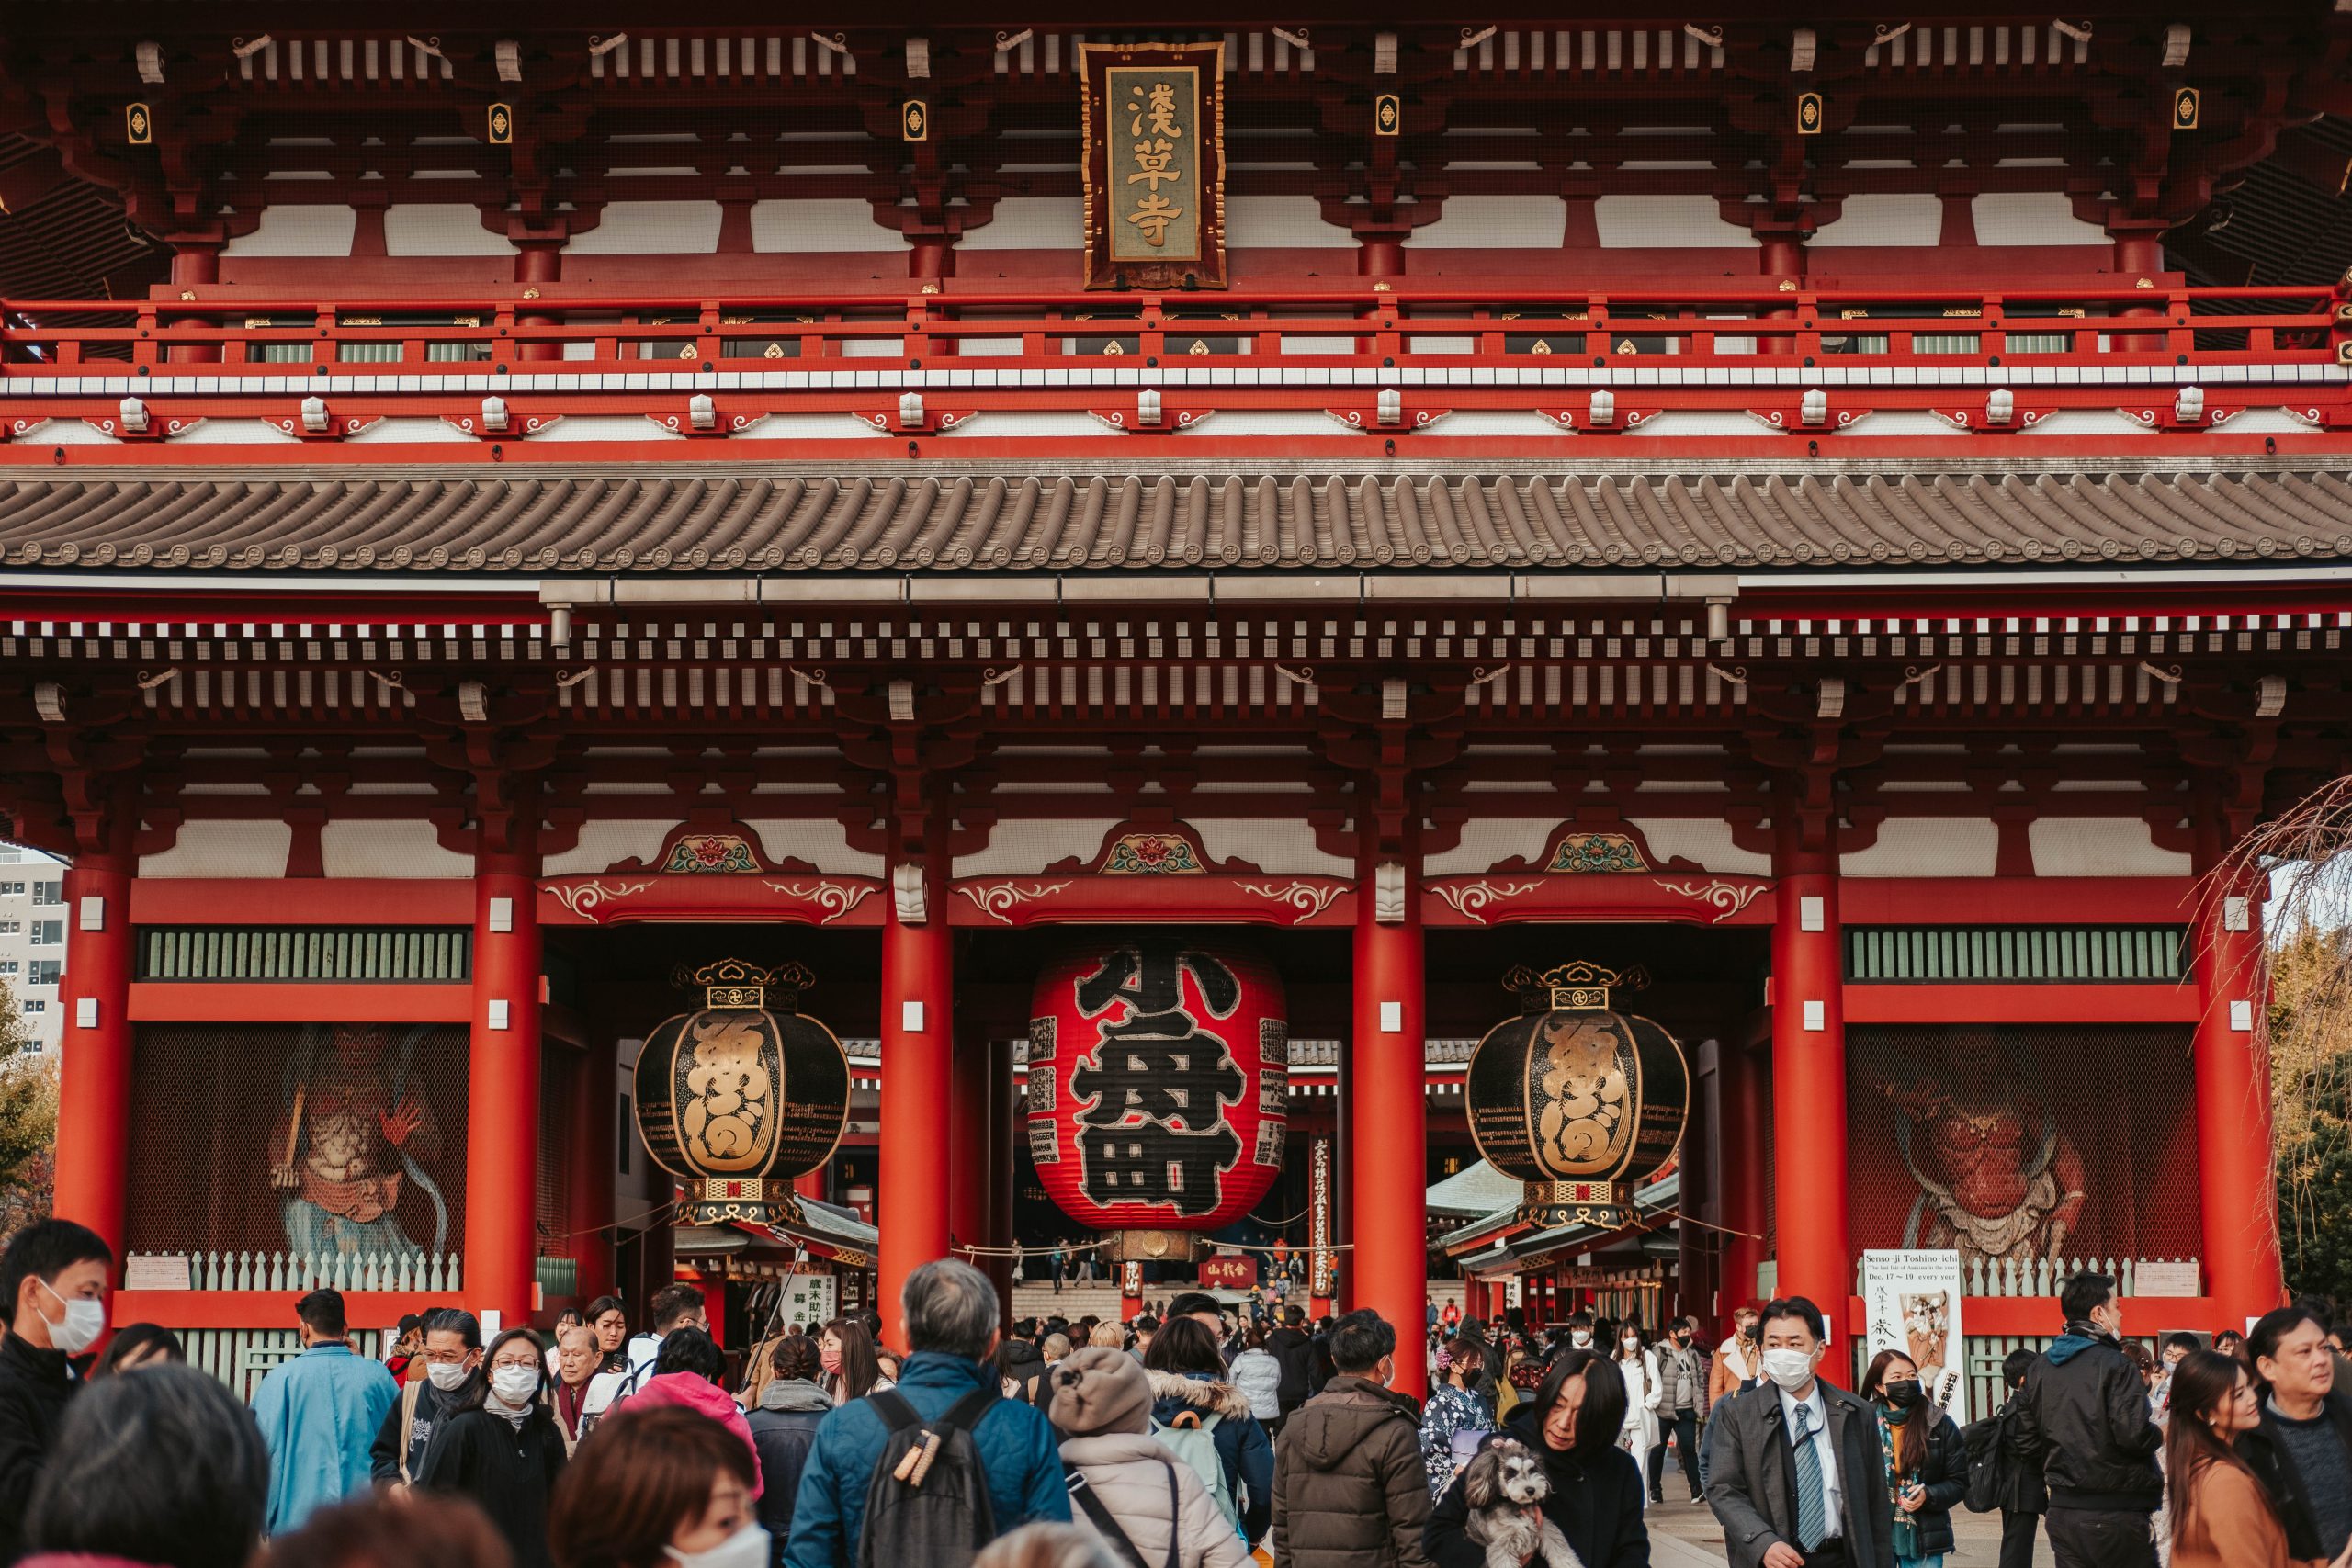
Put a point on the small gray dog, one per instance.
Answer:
(1505, 1486)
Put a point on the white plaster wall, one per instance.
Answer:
(1654, 222)
(823, 844)
(297, 231)
(2031, 218)
(652, 228)
(606, 844)
(1031, 223)
(1019, 846)
(400, 428)
(1708, 842)
(2099, 846)
(1887, 220)
(232, 432)
(1273, 844)
(1927, 846)
(821, 227)
(223, 848)
(440, 229)
(1288, 222)
(1495, 223)
(408, 850)
(1488, 839)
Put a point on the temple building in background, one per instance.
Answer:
(1815, 533)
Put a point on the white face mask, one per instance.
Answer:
(747, 1548)
(447, 1378)
(1632, 1343)
(1579, 1337)
(515, 1385)
(1791, 1368)
(85, 1321)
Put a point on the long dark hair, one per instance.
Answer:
(2202, 1381)
(1911, 1430)
(1603, 1409)
(860, 1371)
(476, 1393)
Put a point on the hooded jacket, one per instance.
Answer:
(1596, 1500)
(1259, 1376)
(1242, 1446)
(1021, 1364)
(1349, 1487)
(2083, 1416)
(698, 1392)
(783, 1428)
(1130, 1473)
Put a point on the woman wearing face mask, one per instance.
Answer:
(846, 1363)
(502, 1449)
(1457, 1416)
(1926, 1465)
(1572, 1425)
(1638, 1433)
(659, 1487)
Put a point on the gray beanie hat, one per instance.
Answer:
(1097, 1390)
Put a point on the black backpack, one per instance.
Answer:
(1988, 1465)
(928, 1501)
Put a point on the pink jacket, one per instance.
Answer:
(697, 1393)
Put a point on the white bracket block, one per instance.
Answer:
(1816, 1017)
(2237, 913)
(93, 916)
(910, 1018)
(1813, 913)
(906, 895)
(501, 914)
(501, 1015)
(1392, 1017)
(1388, 893)
(2242, 1017)
(86, 1012)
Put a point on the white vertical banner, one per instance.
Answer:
(1913, 1300)
(807, 1298)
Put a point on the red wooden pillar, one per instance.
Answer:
(1381, 257)
(714, 1305)
(539, 262)
(1005, 1124)
(1389, 1081)
(2238, 1200)
(1743, 1130)
(503, 1092)
(1809, 1081)
(94, 1091)
(591, 1208)
(967, 1142)
(918, 977)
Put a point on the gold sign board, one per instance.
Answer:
(1155, 166)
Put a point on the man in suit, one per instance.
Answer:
(1795, 1475)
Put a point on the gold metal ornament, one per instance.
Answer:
(914, 121)
(2184, 108)
(1809, 114)
(139, 125)
(1387, 115)
(502, 125)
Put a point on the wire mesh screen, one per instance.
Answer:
(300, 1138)
(559, 1069)
(2026, 1141)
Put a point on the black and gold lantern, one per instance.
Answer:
(743, 1095)
(1579, 1102)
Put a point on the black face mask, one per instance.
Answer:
(1903, 1393)
(1748, 1332)
(1683, 1336)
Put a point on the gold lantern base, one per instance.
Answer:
(715, 1200)
(1548, 1205)
(1152, 1246)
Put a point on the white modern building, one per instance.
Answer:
(32, 941)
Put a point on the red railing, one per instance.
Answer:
(1370, 356)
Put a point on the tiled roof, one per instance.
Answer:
(681, 517)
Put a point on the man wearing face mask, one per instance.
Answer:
(317, 1413)
(1794, 1470)
(452, 1368)
(54, 1275)
(2082, 1417)
(1581, 1331)
(1681, 1385)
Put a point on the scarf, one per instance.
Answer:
(569, 1404)
(1907, 1526)
(512, 1414)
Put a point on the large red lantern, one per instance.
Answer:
(1159, 1084)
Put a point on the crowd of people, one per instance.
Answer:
(1192, 1438)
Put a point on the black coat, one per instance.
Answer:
(1945, 1475)
(1596, 1501)
(34, 1388)
(1751, 1477)
(1295, 1354)
(784, 1437)
(2264, 1453)
(509, 1470)
(433, 1409)
(2021, 1488)
(2086, 1418)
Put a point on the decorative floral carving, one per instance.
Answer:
(699, 853)
(838, 898)
(583, 899)
(1581, 852)
(993, 898)
(1727, 898)
(1468, 899)
(1309, 898)
(1151, 855)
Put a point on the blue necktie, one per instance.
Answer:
(1812, 1508)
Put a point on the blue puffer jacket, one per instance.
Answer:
(1016, 1444)
(1241, 1442)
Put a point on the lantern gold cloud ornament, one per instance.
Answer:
(1580, 1102)
(739, 1098)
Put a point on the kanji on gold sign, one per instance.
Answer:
(1155, 166)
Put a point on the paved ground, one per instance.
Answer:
(1685, 1535)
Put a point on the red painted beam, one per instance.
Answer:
(160, 1001)
(301, 901)
(2056, 1003)
(2005, 900)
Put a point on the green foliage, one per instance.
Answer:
(27, 1122)
(2311, 1086)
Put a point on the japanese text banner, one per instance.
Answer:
(1155, 166)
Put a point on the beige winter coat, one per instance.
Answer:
(1129, 1471)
